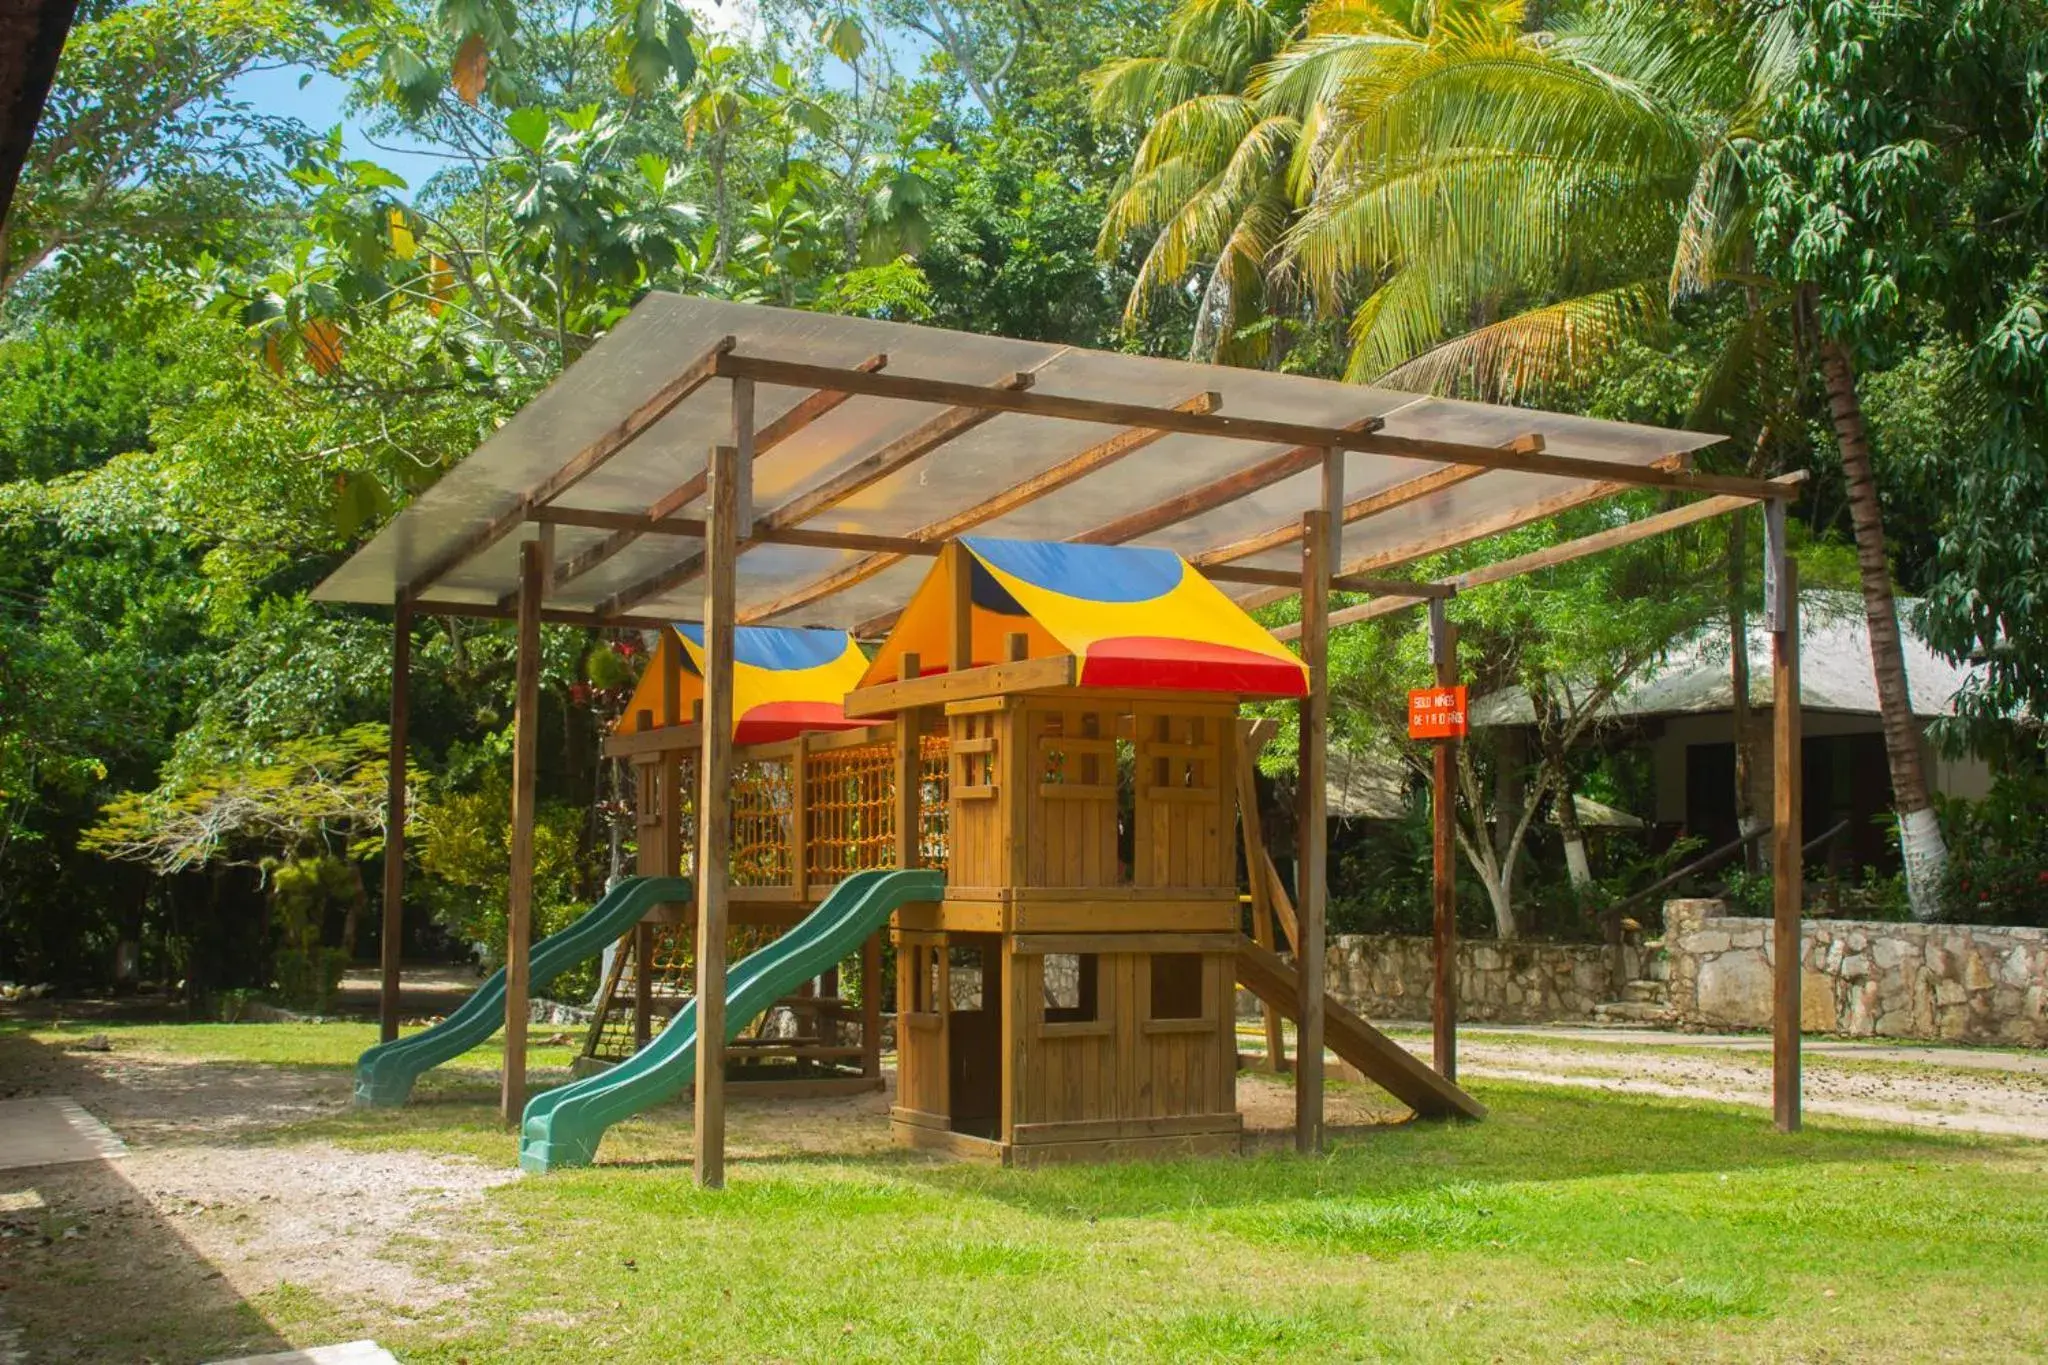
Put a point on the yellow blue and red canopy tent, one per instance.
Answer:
(1131, 616)
(785, 681)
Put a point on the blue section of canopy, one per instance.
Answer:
(784, 649)
(1092, 573)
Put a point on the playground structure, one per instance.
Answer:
(1053, 715)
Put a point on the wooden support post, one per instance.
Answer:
(533, 572)
(743, 444)
(394, 822)
(909, 775)
(960, 613)
(871, 1006)
(1255, 862)
(800, 819)
(714, 816)
(909, 780)
(668, 837)
(1443, 852)
(1311, 876)
(1788, 872)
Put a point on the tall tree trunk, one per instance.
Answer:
(1496, 871)
(1578, 867)
(1510, 787)
(1920, 840)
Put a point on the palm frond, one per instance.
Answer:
(1135, 90)
(1521, 355)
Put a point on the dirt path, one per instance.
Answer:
(158, 1255)
(1953, 1088)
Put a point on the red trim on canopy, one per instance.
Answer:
(1189, 665)
(780, 720)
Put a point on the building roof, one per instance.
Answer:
(1130, 616)
(910, 436)
(784, 682)
(1834, 670)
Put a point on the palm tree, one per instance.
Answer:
(1492, 209)
(1210, 178)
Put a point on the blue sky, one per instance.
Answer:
(319, 106)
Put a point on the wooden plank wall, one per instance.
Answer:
(1185, 783)
(977, 846)
(1122, 1066)
(1071, 834)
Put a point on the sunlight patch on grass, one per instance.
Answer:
(1436, 1219)
(1653, 1300)
(1241, 1333)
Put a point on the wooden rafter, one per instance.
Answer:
(554, 616)
(1290, 582)
(1179, 508)
(1549, 557)
(921, 390)
(1098, 456)
(692, 528)
(694, 376)
(802, 415)
(913, 445)
(1359, 509)
(1438, 541)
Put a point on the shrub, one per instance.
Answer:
(1998, 854)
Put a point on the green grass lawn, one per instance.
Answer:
(1572, 1225)
(1569, 1226)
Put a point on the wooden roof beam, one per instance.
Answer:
(1551, 556)
(1290, 579)
(910, 388)
(1358, 509)
(1179, 508)
(665, 399)
(1098, 456)
(802, 415)
(692, 528)
(1438, 541)
(561, 616)
(913, 445)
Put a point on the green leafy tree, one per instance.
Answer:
(144, 153)
(1902, 176)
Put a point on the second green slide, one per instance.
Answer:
(385, 1073)
(562, 1127)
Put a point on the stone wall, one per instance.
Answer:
(1956, 982)
(1386, 977)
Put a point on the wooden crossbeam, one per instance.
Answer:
(559, 616)
(692, 528)
(1290, 581)
(1549, 556)
(905, 449)
(1018, 675)
(694, 376)
(802, 415)
(1435, 542)
(1098, 456)
(914, 389)
(1359, 509)
(1181, 507)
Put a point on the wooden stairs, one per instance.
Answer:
(1378, 1058)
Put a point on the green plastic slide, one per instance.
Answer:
(384, 1074)
(562, 1127)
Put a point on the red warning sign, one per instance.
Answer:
(1436, 712)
